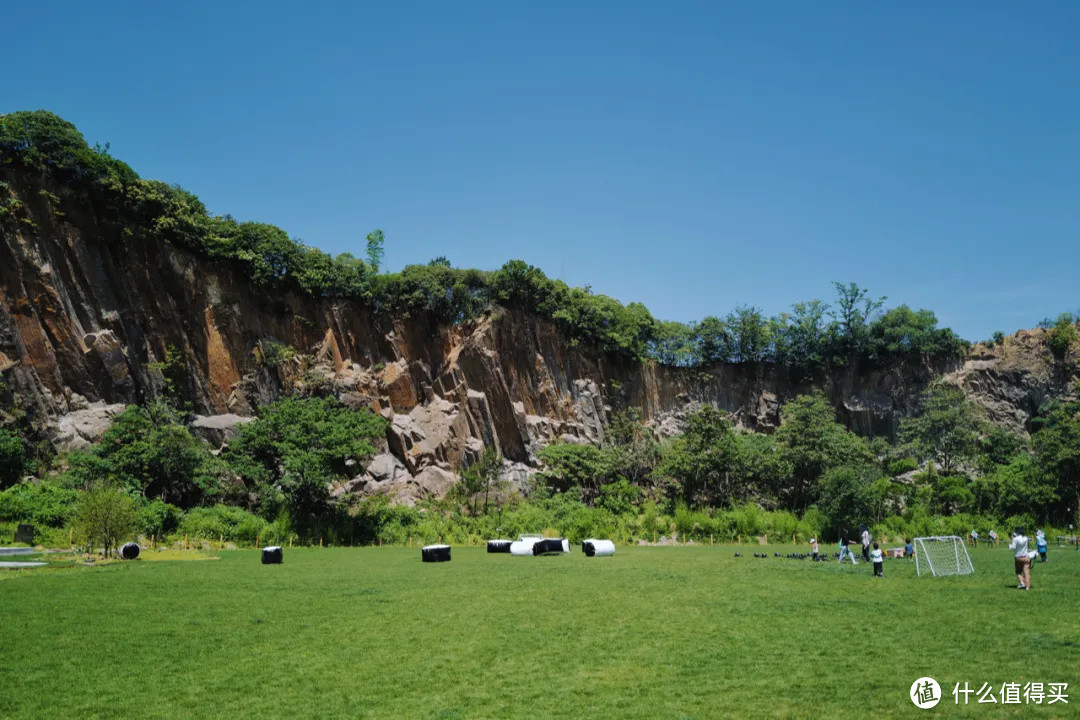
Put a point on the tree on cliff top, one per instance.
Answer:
(375, 242)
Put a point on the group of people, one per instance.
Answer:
(875, 555)
(871, 552)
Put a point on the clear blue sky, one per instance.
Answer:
(688, 155)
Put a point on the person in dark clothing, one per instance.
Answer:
(845, 552)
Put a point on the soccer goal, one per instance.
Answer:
(1063, 540)
(942, 556)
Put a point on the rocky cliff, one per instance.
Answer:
(87, 314)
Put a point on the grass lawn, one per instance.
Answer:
(670, 632)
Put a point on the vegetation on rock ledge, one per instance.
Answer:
(811, 337)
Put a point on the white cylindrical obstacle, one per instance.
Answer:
(598, 548)
(499, 546)
(272, 555)
(129, 551)
(522, 548)
(551, 546)
(435, 553)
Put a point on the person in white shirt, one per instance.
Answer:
(865, 544)
(1019, 546)
(814, 547)
(879, 561)
(993, 537)
(974, 537)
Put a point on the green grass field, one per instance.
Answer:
(673, 632)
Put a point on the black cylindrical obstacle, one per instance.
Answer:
(272, 555)
(550, 546)
(435, 553)
(499, 546)
(129, 551)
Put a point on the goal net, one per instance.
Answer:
(942, 556)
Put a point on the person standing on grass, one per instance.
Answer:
(1019, 546)
(845, 551)
(1040, 544)
(974, 537)
(865, 544)
(814, 547)
(909, 549)
(993, 537)
(879, 561)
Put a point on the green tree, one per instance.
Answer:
(853, 311)
(177, 378)
(1015, 487)
(635, 453)
(149, 450)
(946, 428)
(764, 464)
(620, 497)
(105, 515)
(751, 334)
(482, 476)
(851, 497)
(714, 341)
(674, 344)
(952, 495)
(297, 447)
(802, 336)
(902, 333)
(811, 443)
(703, 459)
(1056, 446)
(568, 465)
(12, 458)
(375, 242)
(1062, 334)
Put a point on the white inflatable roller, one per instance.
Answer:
(598, 548)
(521, 548)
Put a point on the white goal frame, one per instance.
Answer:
(924, 563)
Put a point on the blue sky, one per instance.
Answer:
(692, 156)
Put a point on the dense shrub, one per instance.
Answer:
(45, 504)
(159, 518)
(223, 521)
(902, 465)
(12, 457)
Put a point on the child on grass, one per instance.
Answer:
(1040, 544)
(845, 552)
(814, 547)
(909, 549)
(879, 561)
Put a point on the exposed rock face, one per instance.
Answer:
(217, 429)
(86, 311)
(84, 424)
(1012, 380)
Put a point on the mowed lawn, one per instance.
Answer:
(671, 632)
